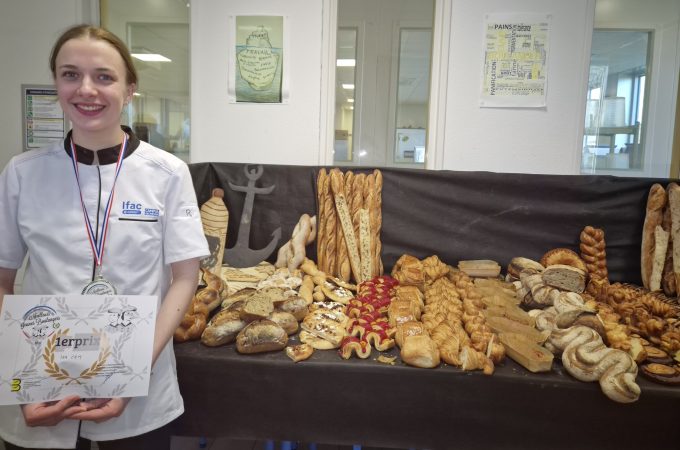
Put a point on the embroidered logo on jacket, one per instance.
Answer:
(137, 210)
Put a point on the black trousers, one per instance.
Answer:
(158, 439)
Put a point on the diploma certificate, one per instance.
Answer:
(95, 346)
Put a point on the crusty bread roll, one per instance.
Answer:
(420, 351)
(297, 306)
(286, 320)
(656, 201)
(223, 328)
(261, 336)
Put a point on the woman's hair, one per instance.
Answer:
(97, 33)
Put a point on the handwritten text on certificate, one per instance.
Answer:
(88, 345)
(515, 60)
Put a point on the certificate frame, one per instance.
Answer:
(43, 120)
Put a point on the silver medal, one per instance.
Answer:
(99, 286)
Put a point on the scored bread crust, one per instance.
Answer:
(563, 256)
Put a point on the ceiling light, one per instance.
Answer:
(346, 62)
(347, 86)
(151, 57)
(350, 100)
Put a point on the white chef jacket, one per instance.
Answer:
(154, 222)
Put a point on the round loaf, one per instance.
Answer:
(286, 320)
(261, 336)
(563, 256)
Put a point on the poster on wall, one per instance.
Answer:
(43, 118)
(515, 60)
(258, 60)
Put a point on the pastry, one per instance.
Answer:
(420, 351)
(299, 352)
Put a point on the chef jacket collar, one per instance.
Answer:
(105, 155)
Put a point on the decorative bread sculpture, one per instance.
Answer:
(586, 358)
(292, 253)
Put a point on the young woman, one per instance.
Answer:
(152, 247)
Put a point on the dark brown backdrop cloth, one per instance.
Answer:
(456, 215)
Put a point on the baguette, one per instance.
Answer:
(656, 201)
(660, 247)
(337, 186)
(674, 205)
(330, 230)
(321, 219)
(376, 225)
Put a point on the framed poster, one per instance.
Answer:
(43, 119)
(515, 60)
(258, 60)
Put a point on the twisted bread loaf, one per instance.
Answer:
(593, 252)
(205, 300)
(586, 358)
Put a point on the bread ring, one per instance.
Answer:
(563, 256)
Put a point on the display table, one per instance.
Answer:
(330, 400)
(455, 215)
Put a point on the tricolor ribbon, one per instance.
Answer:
(97, 245)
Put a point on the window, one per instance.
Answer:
(615, 109)
(159, 112)
(384, 54)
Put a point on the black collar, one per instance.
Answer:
(104, 155)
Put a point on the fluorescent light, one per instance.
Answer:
(151, 57)
(350, 107)
(350, 100)
(346, 62)
(137, 94)
(347, 86)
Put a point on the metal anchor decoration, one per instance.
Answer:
(240, 255)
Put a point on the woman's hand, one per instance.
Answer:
(51, 413)
(100, 410)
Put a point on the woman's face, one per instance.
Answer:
(91, 85)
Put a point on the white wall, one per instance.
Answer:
(255, 133)
(28, 29)
(545, 140)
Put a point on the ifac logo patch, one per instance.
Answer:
(132, 209)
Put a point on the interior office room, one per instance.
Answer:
(392, 84)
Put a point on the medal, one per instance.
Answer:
(99, 285)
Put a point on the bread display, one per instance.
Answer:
(564, 277)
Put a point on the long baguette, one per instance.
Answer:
(656, 201)
(376, 225)
(330, 230)
(321, 220)
(674, 205)
(660, 247)
(346, 222)
(344, 270)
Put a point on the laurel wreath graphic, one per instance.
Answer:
(59, 373)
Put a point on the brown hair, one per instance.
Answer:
(97, 33)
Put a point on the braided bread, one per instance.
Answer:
(593, 252)
(205, 300)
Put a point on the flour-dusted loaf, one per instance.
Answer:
(297, 306)
(261, 336)
(286, 320)
(223, 328)
(656, 201)
(674, 206)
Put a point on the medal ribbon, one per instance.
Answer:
(97, 245)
